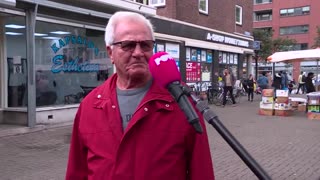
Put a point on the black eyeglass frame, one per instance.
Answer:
(132, 48)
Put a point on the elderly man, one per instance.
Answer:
(130, 127)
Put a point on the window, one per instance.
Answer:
(141, 1)
(294, 30)
(290, 12)
(263, 16)
(283, 12)
(157, 2)
(69, 63)
(262, 1)
(306, 10)
(298, 11)
(14, 28)
(203, 6)
(238, 15)
(302, 46)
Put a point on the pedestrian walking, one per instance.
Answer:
(228, 81)
(301, 81)
(250, 86)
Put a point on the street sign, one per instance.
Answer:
(256, 45)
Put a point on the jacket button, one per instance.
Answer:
(113, 106)
(145, 109)
(99, 96)
(167, 105)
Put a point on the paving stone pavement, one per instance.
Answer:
(288, 148)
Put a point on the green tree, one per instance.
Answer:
(317, 39)
(269, 45)
(265, 38)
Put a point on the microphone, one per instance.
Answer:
(165, 72)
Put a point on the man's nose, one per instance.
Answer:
(137, 49)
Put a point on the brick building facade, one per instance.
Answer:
(293, 19)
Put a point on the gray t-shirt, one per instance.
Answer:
(129, 100)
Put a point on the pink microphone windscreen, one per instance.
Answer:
(164, 69)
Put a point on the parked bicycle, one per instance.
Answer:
(215, 96)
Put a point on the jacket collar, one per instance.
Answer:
(107, 91)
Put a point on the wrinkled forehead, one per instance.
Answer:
(131, 27)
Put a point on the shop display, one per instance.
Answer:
(267, 93)
(282, 107)
(313, 106)
(267, 104)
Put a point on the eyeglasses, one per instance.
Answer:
(146, 45)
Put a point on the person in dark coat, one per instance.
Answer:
(263, 81)
(276, 81)
(284, 80)
(250, 87)
(309, 84)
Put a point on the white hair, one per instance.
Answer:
(118, 17)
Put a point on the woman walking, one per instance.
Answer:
(250, 85)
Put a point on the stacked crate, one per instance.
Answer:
(267, 103)
(299, 106)
(282, 107)
(313, 106)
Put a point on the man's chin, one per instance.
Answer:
(139, 74)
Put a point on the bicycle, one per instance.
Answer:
(236, 94)
(213, 94)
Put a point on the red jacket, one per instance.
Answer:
(158, 144)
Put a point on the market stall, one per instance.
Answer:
(298, 56)
(281, 104)
(313, 106)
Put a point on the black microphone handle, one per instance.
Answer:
(177, 92)
(213, 119)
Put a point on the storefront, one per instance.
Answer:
(52, 55)
(203, 52)
(50, 59)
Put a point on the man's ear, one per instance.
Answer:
(109, 51)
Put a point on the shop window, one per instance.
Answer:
(69, 63)
(14, 28)
(228, 61)
(199, 69)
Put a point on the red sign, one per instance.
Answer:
(193, 71)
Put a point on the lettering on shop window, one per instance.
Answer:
(67, 47)
(72, 66)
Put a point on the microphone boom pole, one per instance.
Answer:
(176, 90)
(213, 119)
